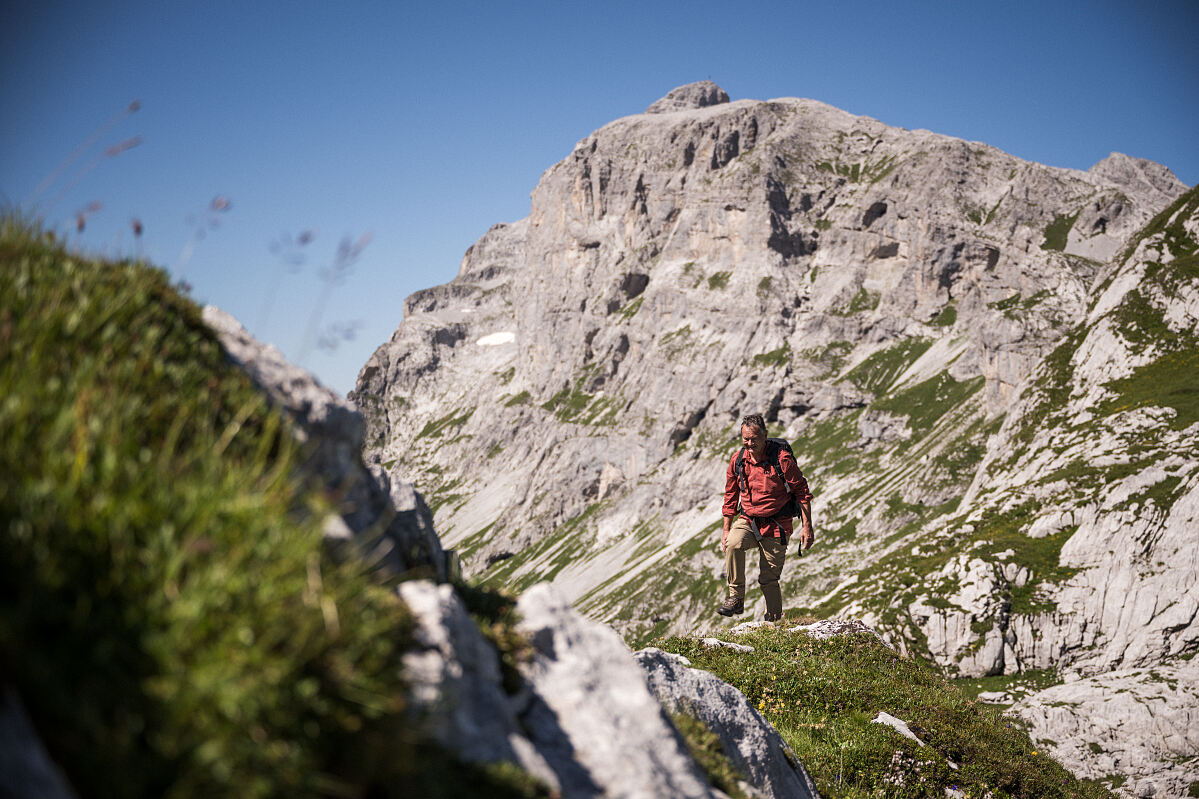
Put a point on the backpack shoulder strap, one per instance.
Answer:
(774, 449)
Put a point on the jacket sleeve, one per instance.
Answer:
(796, 483)
(732, 491)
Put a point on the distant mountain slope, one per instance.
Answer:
(966, 349)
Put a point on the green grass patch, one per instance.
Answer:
(677, 342)
(827, 441)
(1000, 531)
(572, 404)
(874, 171)
(779, 357)
(832, 356)
(864, 300)
(926, 403)
(895, 580)
(962, 456)
(1025, 682)
(567, 403)
(1169, 226)
(719, 280)
(566, 542)
(992, 211)
(946, 317)
(522, 398)
(839, 535)
(1171, 381)
(452, 419)
(822, 696)
(1051, 386)
(1057, 232)
(629, 311)
(764, 287)
(703, 540)
(880, 369)
(161, 554)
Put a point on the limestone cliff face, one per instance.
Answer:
(940, 328)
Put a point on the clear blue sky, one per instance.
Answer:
(425, 124)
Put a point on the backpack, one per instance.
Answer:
(774, 446)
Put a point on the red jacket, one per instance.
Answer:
(766, 492)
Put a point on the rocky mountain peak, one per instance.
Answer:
(700, 94)
(1140, 172)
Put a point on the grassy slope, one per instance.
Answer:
(167, 612)
(823, 695)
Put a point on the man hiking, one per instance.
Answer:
(761, 482)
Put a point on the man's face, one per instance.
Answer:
(754, 439)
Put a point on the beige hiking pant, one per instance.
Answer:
(772, 554)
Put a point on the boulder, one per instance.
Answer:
(455, 686)
(590, 712)
(748, 740)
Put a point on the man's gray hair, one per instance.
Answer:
(755, 420)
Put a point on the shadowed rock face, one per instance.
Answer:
(939, 327)
(590, 711)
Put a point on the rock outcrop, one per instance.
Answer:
(456, 687)
(963, 346)
(693, 95)
(587, 719)
(749, 741)
(1140, 726)
(590, 712)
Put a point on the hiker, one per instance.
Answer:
(761, 482)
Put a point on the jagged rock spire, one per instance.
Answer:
(693, 95)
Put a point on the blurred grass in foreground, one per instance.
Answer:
(167, 611)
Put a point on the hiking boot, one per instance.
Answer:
(773, 616)
(731, 606)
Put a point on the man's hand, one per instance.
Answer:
(724, 535)
(806, 536)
